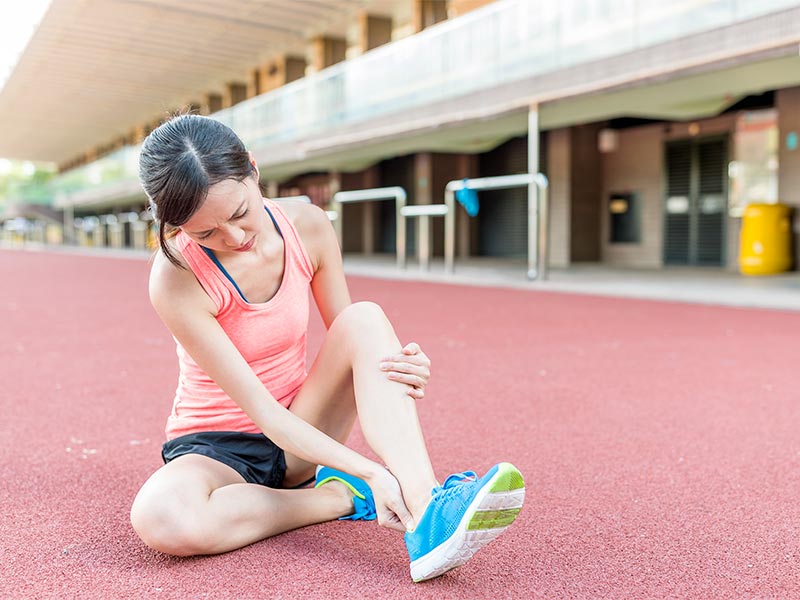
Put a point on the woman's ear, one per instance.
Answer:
(254, 165)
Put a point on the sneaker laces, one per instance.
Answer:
(451, 484)
(362, 509)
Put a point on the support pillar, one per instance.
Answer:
(423, 175)
(371, 180)
(425, 13)
(373, 31)
(212, 103)
(533, 193)
(235, 92)
(327, 51)
(69, 224)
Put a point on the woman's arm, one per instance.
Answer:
(188, 313)
(328, 284)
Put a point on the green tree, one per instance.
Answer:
(24, 182)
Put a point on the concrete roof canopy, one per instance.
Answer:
(94, 68)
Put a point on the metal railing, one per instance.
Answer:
(332, 215)
(424, 212)
(395, 193)
(537, 217)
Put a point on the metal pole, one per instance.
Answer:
(424, 242)
(533, 191)
(449, 229)
(543, 254)
(401, 233)
(69, 224)
(398, 194)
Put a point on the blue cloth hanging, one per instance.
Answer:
(468, 198)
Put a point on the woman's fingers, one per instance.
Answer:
(391, 521)
(412, 380)
(416, 393)
(412, 348)
(412, 368)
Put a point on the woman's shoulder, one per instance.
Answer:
(312, 225)
(305, 217)
(175, 282)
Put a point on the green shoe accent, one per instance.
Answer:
(509, 478)
(355, 492)
(492, 519)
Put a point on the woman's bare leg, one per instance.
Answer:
(347, 366)
(197, 505)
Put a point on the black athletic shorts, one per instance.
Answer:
(253, 455)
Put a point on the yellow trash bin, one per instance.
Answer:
(765, 244)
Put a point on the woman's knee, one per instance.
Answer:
(361, 315)
(166, 526)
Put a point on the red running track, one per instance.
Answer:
(659, 441)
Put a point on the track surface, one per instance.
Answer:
(660, 444)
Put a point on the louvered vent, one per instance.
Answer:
(696, 202)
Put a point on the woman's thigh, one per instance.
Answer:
(178, 492)
(326, 400)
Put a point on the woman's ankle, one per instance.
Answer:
(339, 496)
(417, 504)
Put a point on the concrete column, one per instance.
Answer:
(371, 179)
(255, 86)
(466, 167)
(212, 103)
(279, 71)
(788, 104)
(327, 51)
(425, 13)
(235, 92)
(457, 8)
(373, 31)
(423, 176)
(585, 202)
(559, 172)
(69, 224)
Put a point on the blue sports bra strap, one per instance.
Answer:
(213, 257)
(274, 222)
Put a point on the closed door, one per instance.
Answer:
(696, 202)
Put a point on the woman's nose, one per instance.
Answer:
(234, 236)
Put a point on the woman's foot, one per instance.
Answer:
(463, 515)
(357, 489)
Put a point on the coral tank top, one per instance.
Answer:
(271, 336)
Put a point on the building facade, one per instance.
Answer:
(656, 123)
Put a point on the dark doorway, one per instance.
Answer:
(696, 202)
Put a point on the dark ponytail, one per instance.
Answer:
(180, 160)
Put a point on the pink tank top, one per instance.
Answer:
(271, 336)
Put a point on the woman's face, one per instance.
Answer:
(230, 218)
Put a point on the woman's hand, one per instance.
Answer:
(412, 367)
(389, 504)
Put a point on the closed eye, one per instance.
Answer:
(241, 215)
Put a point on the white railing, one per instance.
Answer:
(501, 43)
(395, 193)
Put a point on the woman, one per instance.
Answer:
(249, 426)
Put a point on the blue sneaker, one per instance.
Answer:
(363, 502)
(464, 514)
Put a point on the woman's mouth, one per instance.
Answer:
(247, 246)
